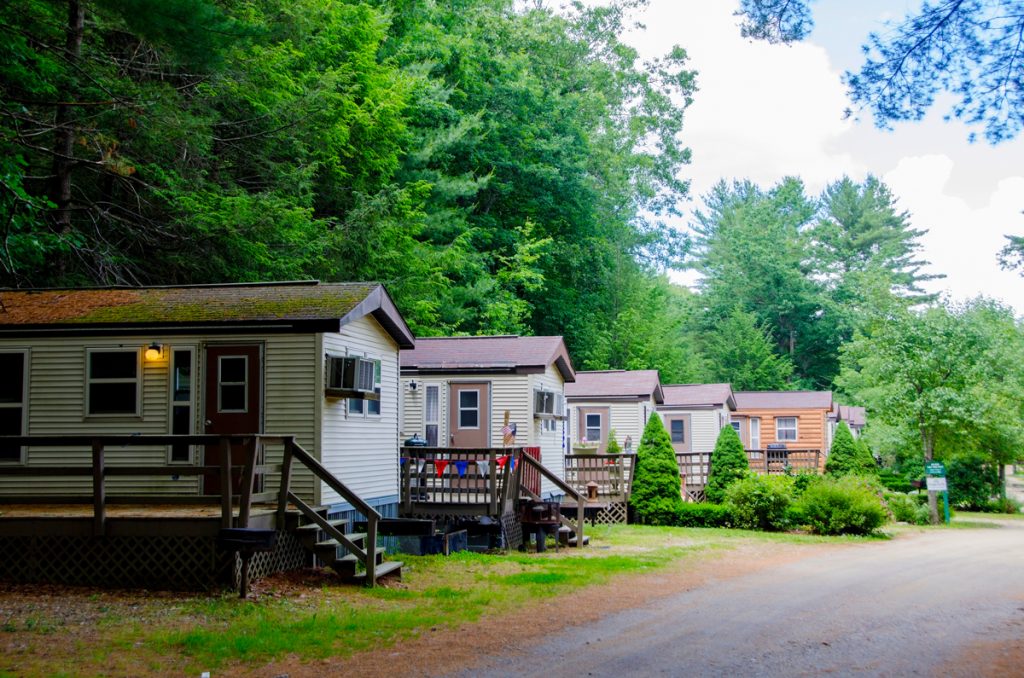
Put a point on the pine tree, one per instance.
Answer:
(728, 464)
(844, 458)
(613, 443)
(655, 496)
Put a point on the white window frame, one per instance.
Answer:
(779, 429)
(89, 381)
(221, 383)
(436, 420)
(378, 379)
(23, 405)
(587, 427)
(461, 409)
(172, 403)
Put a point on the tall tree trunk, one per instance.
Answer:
(64, 136)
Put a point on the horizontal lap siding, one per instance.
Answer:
(705, 426)
(291, 398)
(57, 385)
(510, 392)
(810, 427)
(362, 451)
(552, 449)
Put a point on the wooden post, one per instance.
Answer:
(371, 550)
(286, 476)
(225, 482)
(253, 448)
(493, 473)
(406, 490)
(99, 495)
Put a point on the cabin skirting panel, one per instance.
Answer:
(169, 562)
(615, 513)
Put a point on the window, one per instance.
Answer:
(678, 431)
(112, 382)
(232, 385)
(469, 409)
(785, 428)
(735, 426)
(182, 367)
(755, 433)
(365, 406)
(12, 403)
(592, 428)
(432, 408)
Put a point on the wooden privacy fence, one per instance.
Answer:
(251, 473)
(485, 478)
(612, 473)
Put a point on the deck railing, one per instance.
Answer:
(612, 473)
(481, 478)
(575, 523)
(251, 473)
(778, 462)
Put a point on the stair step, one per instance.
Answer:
(391, 568)
(314, 527)
(348, 566)
(574, 541)
(357, 537)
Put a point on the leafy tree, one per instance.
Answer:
(973, 482)
(969, 48)
(846, 457)
(655, 496)
(613, 443)
(739, 351)
(728, 464)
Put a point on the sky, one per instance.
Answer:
(763, 112)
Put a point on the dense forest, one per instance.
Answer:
(502, 167)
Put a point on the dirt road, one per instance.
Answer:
(947, 602)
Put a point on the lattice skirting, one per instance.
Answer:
(613, 514)
(511, 530)
(155, 562)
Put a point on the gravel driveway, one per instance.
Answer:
(947, 602)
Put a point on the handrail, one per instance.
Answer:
(367, 555)
(494, 491)
(527, 460)
(99, 470)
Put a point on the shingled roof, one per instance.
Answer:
(616, 384)
(307, 305)
(695, 395)
(491, 354)
(783, 400)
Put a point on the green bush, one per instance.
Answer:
(894, 482)
(704, 515)
(845, 505)
(760, 502)
(802, 480)
(847, 457)
(906, 508)
(973, 482)
(655, 497)
(1003, 505)
(613, 444)
(728, 464)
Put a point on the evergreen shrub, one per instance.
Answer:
(704, 515)
(655, 497)
(760, 502)
(893, 481)
(613, 443)
(728, 464)
(845, 505)
(973, 482)
(906, 509)
(847, 457)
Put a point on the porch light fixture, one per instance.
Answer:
(413, 385)
(154, 351)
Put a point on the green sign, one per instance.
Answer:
(935, 468)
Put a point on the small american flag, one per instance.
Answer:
(508, 434)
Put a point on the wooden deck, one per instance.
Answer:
(442, 481)
(694, 467)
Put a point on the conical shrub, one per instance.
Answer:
(728, 464)
(655, 496)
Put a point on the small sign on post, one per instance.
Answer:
(936, 482)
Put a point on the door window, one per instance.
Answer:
(232, 387)
(469, 409)
(12, 403)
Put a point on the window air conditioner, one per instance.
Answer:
(350, 374)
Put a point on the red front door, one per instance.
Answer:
(233, 396)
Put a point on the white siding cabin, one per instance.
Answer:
(612, 400)
(457, 390)
(245, 358)
(694, 415)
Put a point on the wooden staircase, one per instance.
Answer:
(363, 562)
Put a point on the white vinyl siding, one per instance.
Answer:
(626, 418)
(58, 368)
(362, 450)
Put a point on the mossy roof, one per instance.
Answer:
(313, 305)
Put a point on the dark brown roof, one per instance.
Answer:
(505, 353)
(691, 395)
(616, 384)
(783, 400)
(311, 305)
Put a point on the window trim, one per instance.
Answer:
(587, 427)
(462, 409)
(795, 428)
(436, 420)
(23, 405)
(89, 352)
(221, 384)
(756, 420)
(378, 384)
(682, 424)
(172, 403)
